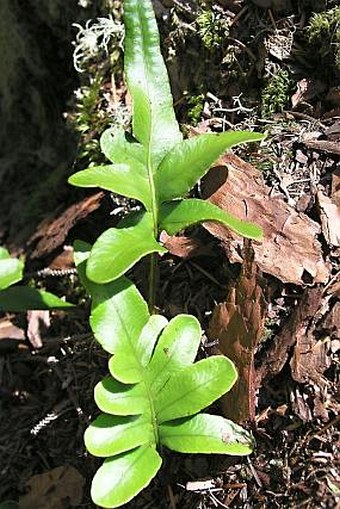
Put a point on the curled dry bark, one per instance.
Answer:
(290, 249)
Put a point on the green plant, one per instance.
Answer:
(156, 167)
(196, 106)
(154, 392)
(323, 34)
(275, 94)
(213, 27)
(22, 298)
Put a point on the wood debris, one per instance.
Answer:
(330, 219)
(290, 249)
(238, 324)
(53, 231)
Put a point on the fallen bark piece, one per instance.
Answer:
(331, 147)
(310, 358)
(289, 250)
(238, 324)
(335, 191)
(331, 323)
(330, 219)
(53, 231)
(296, 326)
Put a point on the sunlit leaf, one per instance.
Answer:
(154, 122)
(189, 161)
(176, 348)
(128, 179)
(116, 398)
(11, 269)
(204, 433)
(118, 249)
(178, 215)
(109, 435)
(193, 388)
(118, 312)
(117, 147)
(121, 477)
(130, 359)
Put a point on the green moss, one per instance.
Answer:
(196, 105)
(213, 27)
(323, 34)
(276, 93)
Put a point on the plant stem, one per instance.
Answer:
(153, 278)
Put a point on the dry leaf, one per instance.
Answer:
(238, 324)
(59, 488)
(184, 247)
(64, 260)
(330, 219)
(290, 249)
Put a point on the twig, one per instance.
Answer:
(171, 497)
(206, 274)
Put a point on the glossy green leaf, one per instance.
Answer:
(116, 398)
(127, 176)
(11, 269)
(118, 314)
(130, 359)
(23, 298)
(118, 311)
(129, 179)
(176, 348)
(121, 477)
(195, 387)
(111, 434)
(154, 122)
(178, 215)
(118, 249)
(117, 147)
(189, 161)
(204, 433)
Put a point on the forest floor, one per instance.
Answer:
(269, 66)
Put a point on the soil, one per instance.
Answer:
(286, 304)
